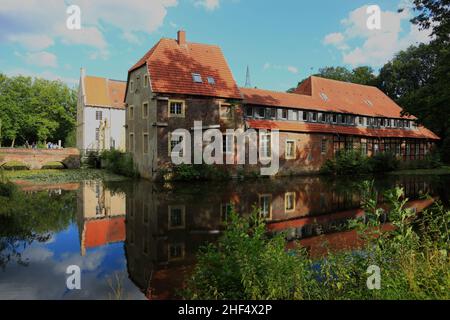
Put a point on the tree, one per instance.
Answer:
(434, 14)
(36, 110)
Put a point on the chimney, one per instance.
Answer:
(181, 37)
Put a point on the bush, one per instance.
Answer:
(347, 162)
(119, 163)
(383, 162)
(188, 172)
(247, 264)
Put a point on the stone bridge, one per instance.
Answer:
(35, 159)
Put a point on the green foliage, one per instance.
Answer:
(36, 110)
(119, 163)
(246, 265)
(430, 161)
(383, 162)
(347, 162)
(201, 172)
(413, 258)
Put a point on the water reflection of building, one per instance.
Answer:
(101, 215)
(167, 225)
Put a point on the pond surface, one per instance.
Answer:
(137, 240)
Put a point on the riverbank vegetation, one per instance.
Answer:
(119, 163)
(249, 264)
(61, 176)
(354, 162)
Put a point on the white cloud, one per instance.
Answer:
(377, 46)
(209, 5)
(291, 69)
(49, 75)
(42, 59)
(38, 24)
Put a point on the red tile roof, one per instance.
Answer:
(102, 92)
(329, 95)
(293, 126)
(171, 66)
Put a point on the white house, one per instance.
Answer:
(100, 114)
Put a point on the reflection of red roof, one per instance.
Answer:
(329, 95)
(104, 231)
(295, 126)
(171, 65)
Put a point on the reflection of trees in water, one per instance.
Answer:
(32, 217)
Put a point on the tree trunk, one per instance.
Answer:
(13, 142)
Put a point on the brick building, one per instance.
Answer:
(178, 82)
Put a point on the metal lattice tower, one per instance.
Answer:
(248, 83)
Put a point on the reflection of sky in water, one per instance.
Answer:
(45, 275)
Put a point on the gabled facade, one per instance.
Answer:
(173, 85)
(177, 83)
(100, 114)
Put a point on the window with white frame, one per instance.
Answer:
(145, 142)
(283, 114)
(176, 109)
(261, 113)
(131, 142)
(265, 145)
(289, 201)
(176, 139)
(265, 206)
(249, 112)
(97, 134)
(323, 146)
(98, 115)
(290, 149)
(227, 142)
(272, 113)
(197, 78)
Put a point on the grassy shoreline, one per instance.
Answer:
(61, 176)
(437, 171)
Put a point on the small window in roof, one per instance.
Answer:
(324, 96)
(211, 80)
(197, 78)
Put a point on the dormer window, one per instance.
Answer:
(197, 78)
(211, 80)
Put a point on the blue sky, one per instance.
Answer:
(281, 41)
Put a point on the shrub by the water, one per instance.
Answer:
(119, 163)
(189, 172)
(413, 258)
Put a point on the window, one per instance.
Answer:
(265, 145)
(97, 134)
(177, 217)
(145, 110)
(226, 111)
(249, 112)
(314, 117)
(175, 140)
(131, 142)
(197, 78)
(98, 115)
(228, 144)
(272, 113)
(323, 146)
(334, 118)
(265, 206)
(387, 122)
(176, 251)
(131, 86)
(176, 109)
(361, 120)
(131, 113)
(305, 116)
(261, 113)
(145, 143)
(289, 201)
(292, 115)
(283, 114)
(211, 80)
(321, 117)
(290, 150)
(145, 81)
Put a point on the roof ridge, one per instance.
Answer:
(340, 81)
